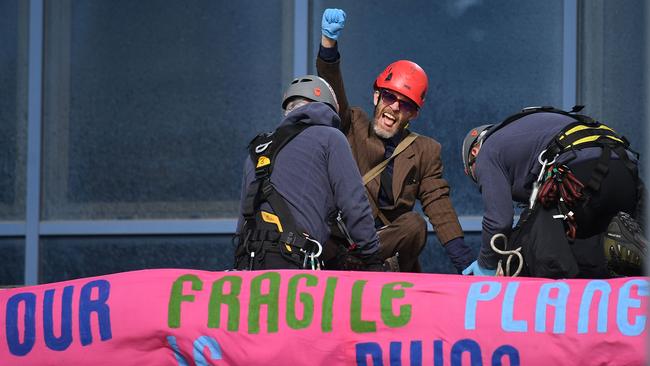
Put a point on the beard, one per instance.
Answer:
(397, 125)
(382, 133)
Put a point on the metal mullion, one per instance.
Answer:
(569, 54)
(300, 37)
(138, 227)
(173, 227)
(34, 118)
(12, 228)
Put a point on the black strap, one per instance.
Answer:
(608, 140)
(547, 109)
(600, 171)
(263, 151)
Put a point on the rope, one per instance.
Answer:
(510, 254)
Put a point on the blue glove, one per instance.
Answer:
(477, 270)
(332, 23)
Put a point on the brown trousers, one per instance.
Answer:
(407, 235)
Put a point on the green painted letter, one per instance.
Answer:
(218, 298)
(176, 297)
(306, 299)
(388, 293)
(359, 325)
(328, 304)
(270, 300)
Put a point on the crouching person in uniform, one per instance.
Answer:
(294, 179)
(579, 182)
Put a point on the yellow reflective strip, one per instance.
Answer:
(584, 127)
(262, 161)
(288, 247)
(574, 129)
(593, 138)
(272, 219)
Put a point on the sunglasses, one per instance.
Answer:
(404, 105)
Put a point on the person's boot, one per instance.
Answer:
(625, 246)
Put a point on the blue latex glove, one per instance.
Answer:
(477, 270)
(332, 23)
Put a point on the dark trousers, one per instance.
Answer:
(618, 192)
(406, 235)
(546, 241)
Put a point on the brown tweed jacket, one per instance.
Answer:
(417, 172)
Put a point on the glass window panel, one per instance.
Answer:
(485, 60)
(13, 101)
(65, 258)
(613, 66)
(12, 261)
(150, 104)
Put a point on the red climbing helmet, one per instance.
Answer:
(405, 77)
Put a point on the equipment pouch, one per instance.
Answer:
(545, 247)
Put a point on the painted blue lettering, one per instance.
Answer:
(624, 305)
(474, 295)
(416, 353)
(62, 342)
(466, 345)
(177, 352)
(437, 353)
(585, 305)
(99, 306)
(559, 303)
(213, 347)
(508, 323)
(13, 339)
(395, 353)
(505, 350)
(371, 349)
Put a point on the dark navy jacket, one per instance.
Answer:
(316, 174)
(507, 165)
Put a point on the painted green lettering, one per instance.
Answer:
(328, 304)
(388, 293)
(218, 298)
(359, 325)
(307, 301)
(176, 297)
(257, 299)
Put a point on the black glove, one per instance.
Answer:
(460, 254)
(355, 261)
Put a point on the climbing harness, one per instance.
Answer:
(272, 239)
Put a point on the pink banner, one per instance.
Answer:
(184, 317)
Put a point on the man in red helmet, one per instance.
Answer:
(411, 166)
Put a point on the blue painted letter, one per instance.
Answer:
(624, 305)
(585, 306)
(99, 306)
(543, 300)
(505, 350)
(62, 342)
(15, 347)
(508, 323)
(474, 295)
(213, 347)
(371, 349)
(466, 345)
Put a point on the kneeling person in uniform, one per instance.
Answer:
(295, 179)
